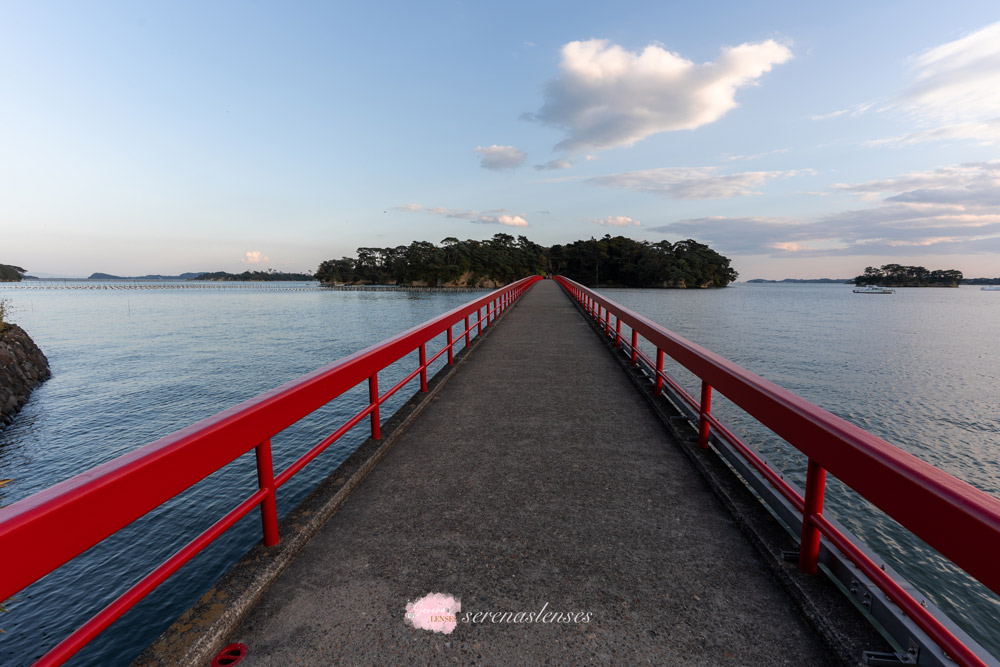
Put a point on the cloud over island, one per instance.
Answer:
(953, 209)
(493, 217)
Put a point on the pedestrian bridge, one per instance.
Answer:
(549, 495)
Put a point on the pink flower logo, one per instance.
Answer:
(436, 612)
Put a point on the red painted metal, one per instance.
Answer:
(618, 331)
(423, 368)
(704, 409)
(231, 655)
(467, 331)
(265, 480)
(40, 533)
(635, 346)
(658, 387)
(374, 402)
(958, 520)
(451, 345)
(809, 545)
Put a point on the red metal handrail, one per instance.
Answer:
(960, 521)
(43, 531)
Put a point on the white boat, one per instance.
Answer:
(873, 289)
(990, 288)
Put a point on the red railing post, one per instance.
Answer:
(423, 367)
(607, 323)
(451, 356)
(479, 321)
(809, 546)
(373, 400)
(268, 506)
(618, 332)
(659, 371)
(635, 347)
(703, 411)
(467, 329)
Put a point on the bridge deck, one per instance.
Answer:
(538, 476)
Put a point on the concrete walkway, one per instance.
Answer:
(537, 477)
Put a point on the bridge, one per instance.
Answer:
(550, 494)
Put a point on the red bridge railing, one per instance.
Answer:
(42, 532)
(960, 521)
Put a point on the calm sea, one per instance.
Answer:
(918, 368)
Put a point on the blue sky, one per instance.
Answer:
(799, 140)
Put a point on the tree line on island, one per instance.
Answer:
(897, 275)
(612, 261)
(265, 275)
(11, 274)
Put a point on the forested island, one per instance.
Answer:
(268, 275)
(611, 261)
(10, 273)
(825, 281)
(896, 275)
(151, 276)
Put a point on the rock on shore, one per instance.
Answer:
(22, 368)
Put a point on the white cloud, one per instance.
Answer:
(255, 257)
(985, 133)
(498, 158)
(692, 182)
(954, 209)
(954, 93)
(617, 221)
(494, 217)
(509, 220)
(957, 81)
(606, 97)
(754, 156)
(554, 164)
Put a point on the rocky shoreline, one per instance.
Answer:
(23, 367)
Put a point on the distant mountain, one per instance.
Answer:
(108, 276)
(804, 280)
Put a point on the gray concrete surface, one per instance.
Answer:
(538, 475)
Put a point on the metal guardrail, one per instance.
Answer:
(43, 531)
(960, 521)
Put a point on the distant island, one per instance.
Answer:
(610, 261)
(838, 281)
(981, 281)
(108, 276)
(896, 275)
(269, 274)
